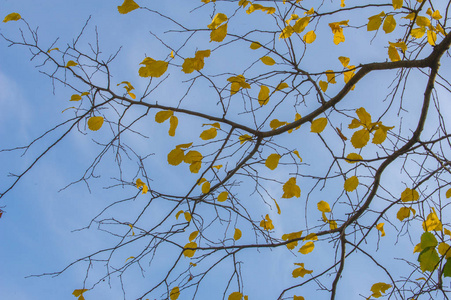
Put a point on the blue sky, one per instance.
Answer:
(37, 230)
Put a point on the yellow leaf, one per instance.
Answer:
(311, 236)
(140, 183)
(323, 85)
(374, 22)
(351, 183)
(380, 227)
(296, 152)
(238, 82)
(263, 95)
(360, 138)
(418, 32)
(187, 216)
(344, 60)
(404, 212)
(323, 206)
(12, 17)
(272, 161)
(330, 76)
(423, 21)
(193, 235)
(291, 189)
(172, 54)
(183, 145)
(432, 37)
(274, 124)
(292, 236)
(78, 293)
(245, 138)
(237, 234)
(379, 288)
(50, 50)
(189, 253)
(235, 296)
(298, 297)
(131, 257)
(337, 30)
(95, 123)
(219, 34)
(175, 157)
(223, 196)
(393, 54)
(75, 97)
(127, 7)
(409, 195)
(196, 63)
(173, 125)
(397, 4)
(301, 24)
(163, 115)
(206, 187)
(152, 67)
(218, 167)
(410, 16)
(448, 193)
(443, 248)
(277, 206)
(364, 117)
(71, 63)
(175, 293)
(178, 214)
(254, 7)
(432, 222)
(255, 45)
(267, 60)
(307, 248)
(281, 86)
(309, 37)
(389, 24)
(267, 223)
(218, 19)
(332, 225)
(381, 134)
(342, 4)
(318, 125)
(301, 271)
(192, 156)
(311, 11)
(352, 158)
(286, 32)
(436, 15)
(209, 134)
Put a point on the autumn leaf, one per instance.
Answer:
(95, 123)
(173, 121)
(374, 22)
(309, 37)
(323, 206)
(291, 189)
(307, 248)
(323, 85)
(380, 227)
(274, 124)
(209, 134)
(235, 296)
(272, 161)
(351, 183)
(12, 17)
(127, 6)
(267, 60)
(176, 156)
(301, 271)
(223, 196)
(397, 4)
(153, 68)
(206, 187)
(360, 138)
(78, 293)
(218, 19)
(75, 97)
(140, 183)
(238, 82)
(432, 222)
(266, 223)
(337, 30)
(175, 293)
(352, 158)
(255, 45)
(187, 216)
(379, 288)
(190, 252)
(389, 24)
(219, 34)
(237, 234)
(245, 138)
(404, 212)
(193, 235)
(163, 115)
(318, 125)
(71, 63)
(409, 195)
